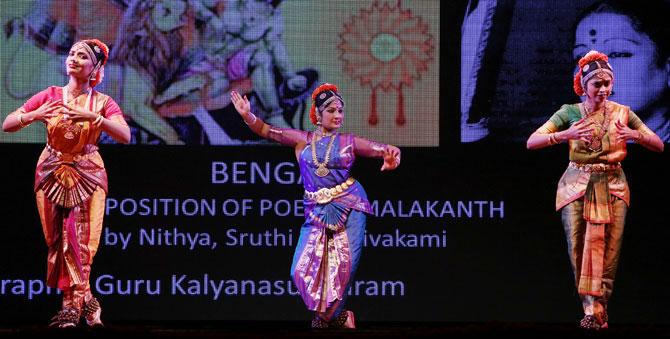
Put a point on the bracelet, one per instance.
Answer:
(377, 147)
(639, 137)
(552, 139)
(21, 123)
(253, 121)
(98, 121)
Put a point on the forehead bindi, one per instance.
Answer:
(603, 27)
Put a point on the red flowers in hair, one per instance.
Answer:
(322, 88)
(312, 114)
(591, 56)
(577, 83)
(105, 50)
(586, 59)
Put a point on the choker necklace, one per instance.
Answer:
(66, 94)
(595, 144)
(321, 169)
(72, 93)
(325, 134)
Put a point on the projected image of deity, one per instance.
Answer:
(173, 64)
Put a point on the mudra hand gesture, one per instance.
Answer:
(391, 158)
(242, 104)
(78, 114)
(581, 130)
(625, 133)
(47, 111)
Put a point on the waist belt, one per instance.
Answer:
(325, 195)
(72, 157)
(595, 167)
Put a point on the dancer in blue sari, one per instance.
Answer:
(331, 239)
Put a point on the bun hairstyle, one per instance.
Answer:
(321, 97)
(590, 64)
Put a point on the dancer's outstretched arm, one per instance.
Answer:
(284, 136)
(372, 149)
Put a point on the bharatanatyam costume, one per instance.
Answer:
(593, 196)
(70, 188)
(331, 239)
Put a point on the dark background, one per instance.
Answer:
(510, 269)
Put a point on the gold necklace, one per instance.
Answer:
(321, 169)
(596, 142)
(73, 93)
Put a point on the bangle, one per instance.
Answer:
(253, 121)
(21, 123)
(552, 139)
(98, 121)
(639, 137)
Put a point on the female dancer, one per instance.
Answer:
(70, 179)
(593, 193)
(331, 238)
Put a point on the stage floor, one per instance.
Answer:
(301, 330)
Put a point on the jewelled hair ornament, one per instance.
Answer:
(321, 98)
(590, 65)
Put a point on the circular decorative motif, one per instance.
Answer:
(385, 47)
(392, 53)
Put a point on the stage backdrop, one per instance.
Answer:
(174, 63)
(462, 231)
(519, 57)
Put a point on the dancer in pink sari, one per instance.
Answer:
(70, 179)
(331, 239)
(593, 194)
